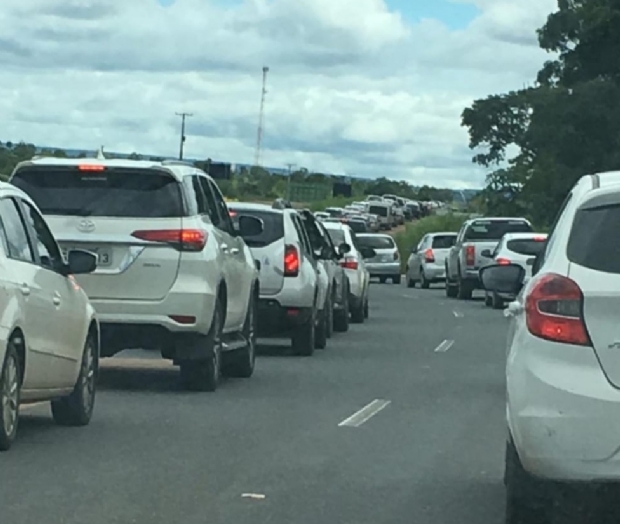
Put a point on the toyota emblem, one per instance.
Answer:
(86, 225)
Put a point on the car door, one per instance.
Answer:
(232, 248)
(65, 296)
(39, 315)
(418, 256)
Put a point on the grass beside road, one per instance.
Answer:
(410, 237)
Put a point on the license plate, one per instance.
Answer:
(105, 256)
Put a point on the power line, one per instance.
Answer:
(288, 181)
(183, 116)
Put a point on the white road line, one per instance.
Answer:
(458, 314)
(366, 413)
(444, 346)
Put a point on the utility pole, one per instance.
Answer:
(288, 181)
(261, 118)
(183, 117)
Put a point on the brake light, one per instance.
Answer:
(350, 263)
(232, 213)
(540, 239)
(470, 255)
(87, 167)
(429, 256)
(503, 261)
(554, 311)
(181, 239)
(291, 261)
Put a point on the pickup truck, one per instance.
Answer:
(465, 257)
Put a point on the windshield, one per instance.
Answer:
(358, 226)
(444, 241)
(376, 241)
(337, 236)
(527, 247)
(491, 230)
(381, 211)
(127, 193)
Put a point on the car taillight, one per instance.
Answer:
(91, 167)
(350, 263)
(540, 239)
(181, 239)
(503, 261)
(429, 256)
(554, 311)
(470, 255)
(291, 261)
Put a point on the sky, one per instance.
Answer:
(356, 87)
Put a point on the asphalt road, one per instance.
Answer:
(273, 449)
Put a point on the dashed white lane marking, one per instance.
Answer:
(444, 346)
(458, 314)
(365, 414)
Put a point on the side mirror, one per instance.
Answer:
(343, 249)
(80, 262)
(502, 279)
(486, 253)
(368, 252)
(248, 226)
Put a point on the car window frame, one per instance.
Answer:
(222, 209)
(34, 255)
(26, 208)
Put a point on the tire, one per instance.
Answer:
(526, 502)
(424, 283)
(451, 289)
(329, 319)
(77, 408)
(342, 316)
(10, 391)
(488, 300)
(357, 313)
(204, 374)
(396, 280)
(366, 309)
(464, 290)
(302, 341)
(497, 302)
(243, 361)
(410, 283)
(320, 331)
(382, 280)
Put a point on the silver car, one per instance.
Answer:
(386, 262)
(426, 263)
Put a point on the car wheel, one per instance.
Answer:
(320, 332)
(10, 389)
(410, 283)
(204, 375)
(329, 319)
(525, 496)
(382, 280)
(496, 301)
(366, 309)
(241, 363)
(77, 408)
(464, 290)
(488, 301)
(341, 316)
(424, 283)
(302, 340)
(396, 280)
(357, 313)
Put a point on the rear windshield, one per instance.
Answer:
(444, 241)
(127, 193)
(592, 242)
(527, 246)
(495, 229)
(333, 212)
(382, 211)
(376, 242)
(273, 227)
(337, 236)
(358, 226)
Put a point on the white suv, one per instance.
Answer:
(173, 274)
(49, 338)
(293, 285)
(563, 366)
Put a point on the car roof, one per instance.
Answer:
(517, 236)
(252, 206)
(178, 168)
(443, 234)
(382, 235)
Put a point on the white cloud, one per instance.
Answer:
(352, 87)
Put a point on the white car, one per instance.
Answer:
(563, 364)
(174, 272)
(293, 285)
(49, 335)
(353, 262)
(513, 248)
(426, 263)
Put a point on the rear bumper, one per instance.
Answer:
(275, 319)
(434, 272)
(380, 269)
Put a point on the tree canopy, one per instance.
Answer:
(539, 140)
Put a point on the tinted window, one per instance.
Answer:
(376, 242)
(49, 254)
(18, 246)
(358, 226)
(593, 240)
(443, 241)
(112, 193)
(495, 229)
(528, 247)
(337, 236)
(382, 211)
(332, 211)
(273, 227)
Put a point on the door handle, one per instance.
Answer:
(25, 289)
(224, 248)
(234, 251)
